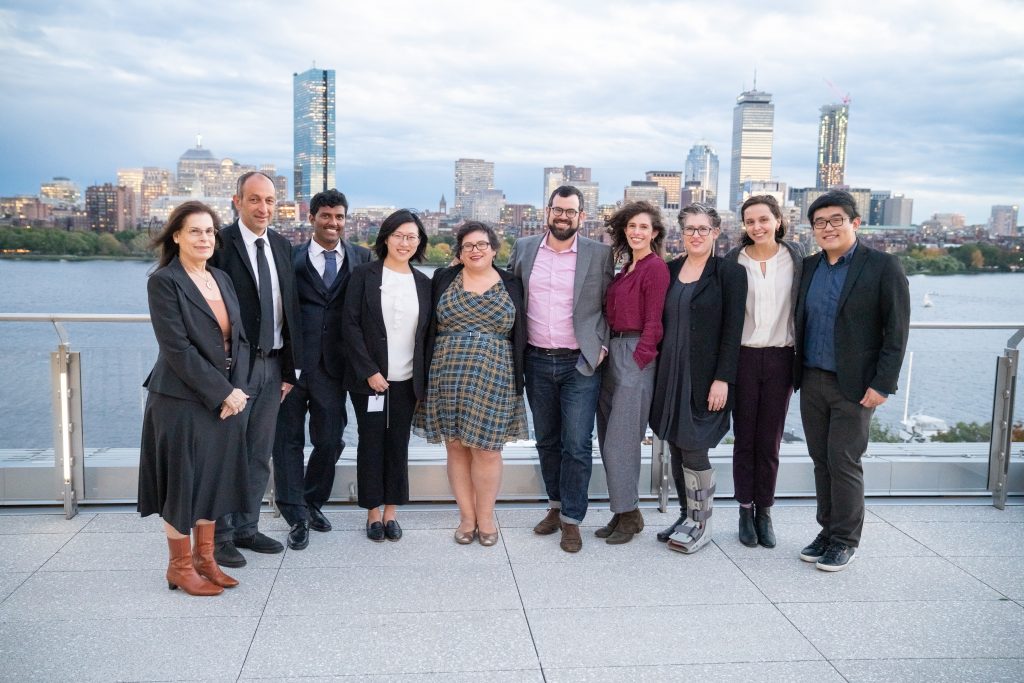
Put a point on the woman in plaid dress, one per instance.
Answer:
(474, 400)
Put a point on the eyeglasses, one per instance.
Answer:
(405, 239)
(559, 211)
(703, 231)
(475, 246)
(196, 233)
(835, 222)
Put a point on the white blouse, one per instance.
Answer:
(769, 311)
(400, 307)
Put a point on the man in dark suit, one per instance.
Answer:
(565, 276)
(259, 262)
(322, 267)
(852, 322)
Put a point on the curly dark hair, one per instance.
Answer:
(476, 226)
(621, 218)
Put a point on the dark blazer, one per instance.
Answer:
(192, 364)
(796, 251)
(716, 324)
(365, 343)
(443, 277)
(315, 300)
(231, 257)
(872, 322)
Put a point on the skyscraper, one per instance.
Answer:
(832, 145)
(578, 176)
(471, 176)
(702, 167)
(1003, 221)
(753, 126)
(314, 135)
(671, 182)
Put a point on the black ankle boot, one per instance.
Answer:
(763, 527)
(748, 536)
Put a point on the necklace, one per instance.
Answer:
(207, 282)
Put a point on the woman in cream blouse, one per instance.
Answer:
(764, 380)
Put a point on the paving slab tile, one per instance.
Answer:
(402, 588)
(623, 636)
(420, 547)
(29, 552)
(81, 595)
(879, 540)
(123, 523)
(868, 579)
(901, 630)
(125, 649)
(526, 547)
(43, 524)
(129, 552)
(1004, 574)
(9, 581)
(932, 670)
(948, 513)
(416, 643)
(521, 676)
(704, 578)
(791, 672)
(968, 539)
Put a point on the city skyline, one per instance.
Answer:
(107, 87)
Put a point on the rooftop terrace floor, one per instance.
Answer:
(936, 593)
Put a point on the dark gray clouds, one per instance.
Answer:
(622, 87)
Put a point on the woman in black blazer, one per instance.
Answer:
(385, 318)
(703, 321)
(193, 460)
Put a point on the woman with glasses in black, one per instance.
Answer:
(703, 320)
(385, 318)
(474, 401)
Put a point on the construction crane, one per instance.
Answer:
(844, 98)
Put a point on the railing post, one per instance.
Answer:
(1000, 439)
(661, 473)
(69, 451)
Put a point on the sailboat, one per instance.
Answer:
(918, 427)
(927, 303)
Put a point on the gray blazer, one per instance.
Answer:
(594, 270)
(796, 251)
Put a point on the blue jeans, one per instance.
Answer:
(564, 403)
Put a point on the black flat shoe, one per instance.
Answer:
(227, 555)
(298, 537)
(317, 520)
(392, 531)
(260, 543)
(375, 532)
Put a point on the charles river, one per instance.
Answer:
(952, 373)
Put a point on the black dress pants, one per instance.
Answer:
(382, 455)
(836, 429)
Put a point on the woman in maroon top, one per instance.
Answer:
(633, 306)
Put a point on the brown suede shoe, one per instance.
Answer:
(571, 541)
(549, 524)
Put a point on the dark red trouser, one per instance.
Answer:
(764, 384)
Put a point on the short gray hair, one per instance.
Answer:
(698, 209)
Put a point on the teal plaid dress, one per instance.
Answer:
(471, 393)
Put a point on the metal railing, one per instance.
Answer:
(69, 450)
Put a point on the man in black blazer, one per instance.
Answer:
(265, 284)
(322, 267)
(852, 322)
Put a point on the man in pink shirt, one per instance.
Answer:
(565, 276)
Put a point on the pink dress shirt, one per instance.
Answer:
(549, 306)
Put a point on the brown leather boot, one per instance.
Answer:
(607, 529)
(550, 524)
(571, 541)
(202, 558)
(630, 524)
(180, 572)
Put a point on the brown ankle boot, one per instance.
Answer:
(630, 524)
(202, 558)
(180, 572)
(550, 524)
(607, 529)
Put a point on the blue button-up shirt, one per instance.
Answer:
(822, 307)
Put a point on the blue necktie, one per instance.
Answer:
(330, 268)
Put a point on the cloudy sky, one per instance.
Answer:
(937, 90)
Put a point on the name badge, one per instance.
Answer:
(375, 404)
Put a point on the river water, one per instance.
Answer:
(952, 378)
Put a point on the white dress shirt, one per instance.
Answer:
(316, 256)
(249, 238)
(768, 319)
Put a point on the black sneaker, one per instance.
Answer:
(259, 543)
(815, 551)
(836, 558)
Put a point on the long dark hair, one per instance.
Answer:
(621, 218)
(164, 242)
(773, 206)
